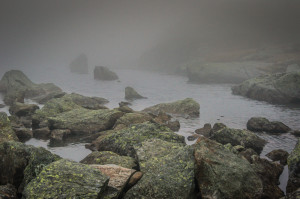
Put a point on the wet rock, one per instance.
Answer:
(269, 174)
(293, 195)
(263, 124)
(58, 136)
(41, 133)
(109, 157)
(80, 64)
(235, 137)
(187, 106)
(131, 118)
(42, 99)
(23, 134)
(247, 154)
(21, 110)
(6, 131)
(222, 174)
(218, 126)
(165, 119)
(205, 131)
(83, 121)
(124, 141)
(92, 103)
(2, 105)
(67, 179)
(134, 179)
(279, 155)
(168, 171)
(294, 169)
(131, 94)
(296, 133)
(103, 73)
(280, 88)
(21, 163)
(125, 109)
(193, 137)
(124, 104)
(8, 192)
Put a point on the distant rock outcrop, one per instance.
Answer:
(103, 73)
(131, 94)
(80, 64)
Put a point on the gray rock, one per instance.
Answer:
(279, 155)
(294, 169)
(263, 124)
(103, 73)
(80, 64)
(131, 94)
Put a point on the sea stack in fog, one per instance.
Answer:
(80, 64)
(103, 73)
(131, 94)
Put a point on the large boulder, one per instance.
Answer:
(222, 174)
(280, 88)
(278, 155)
(80, 64)
(294, 169)
(6, 131)
(103, 73)
(67, 179)
(131, 118)
(21, 110)
(84, 121)
(235, 137)
(187, 106)
(109, 157)
(131, 94)
(93, 103)
(21, 163)
(263, 124)
(168, 171)
(125, 141)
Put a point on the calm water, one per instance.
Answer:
(217, 104)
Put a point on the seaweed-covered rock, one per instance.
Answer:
(235, 137)
(124, 141)
(131, 94)
(6, 131)
(80, 64)
(84, 121)
(131, 118)
(58, 136)
(168, 171)
(93, 103)
(42, 99)
(263, 124)
(205, 131)
(109, 157)
(20, 109)
(103, 73)
(279, 155)
(187, 106)
(21, 163)
(222, 174)
(8, 192)
(274, 88)
(42, 133)
(23, 134)
(67, 179)
(165, 119)
(294, 169)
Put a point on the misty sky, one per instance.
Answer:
(119, 32)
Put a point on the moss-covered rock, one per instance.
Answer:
(274, 88)
(263, 124)
(67, 179)
(168, 171)
(6, 131)
(279, 155)
(82, 121)
(235, 137)
(109, 157)
(20, 109)
(123, 142)
(187, 106)
(294, 169)
(8, 192)
(103, 73)
(131, 94)
(131, 118)
(222, 174)
(93, 103)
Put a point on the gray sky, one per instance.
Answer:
(119, 32)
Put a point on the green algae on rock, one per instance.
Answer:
(6, 131)
(294, 169)
(67, 179)
(168, 171)
(187, 106)
(131, 118)
(263, 124)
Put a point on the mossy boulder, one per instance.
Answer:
(6, 131)
(187, 106)
(67, 179)
(278, 155)
(131, 94)
(222, 174)
(93, 103)
(294, 169)
(131, 118)
(21, 110)
(263, 124)
(84, 121)
(103, 73)
(21, 163)
(109, 157)
(124, 141)
(8, 192)
(168, 171)
(282, 88)
(235, 137)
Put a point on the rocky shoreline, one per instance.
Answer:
(136, 154)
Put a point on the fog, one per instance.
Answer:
(139, 33)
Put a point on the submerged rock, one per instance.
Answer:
(67, 179)
(109, 157)
(222, 174)
(279, 88)
(80, 64)
(279, 155)
(187, 106)
(294, 169)
(263, 124)
(6, 131)
(131, 94)
(103, 73)
(168, 171)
